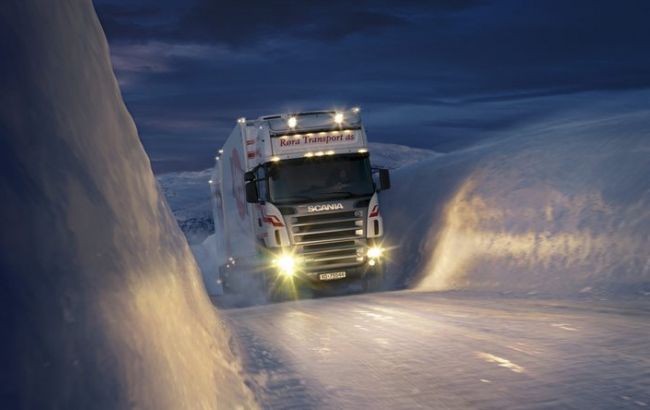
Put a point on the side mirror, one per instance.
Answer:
(249, 176)
(251, 193)
(384, 179)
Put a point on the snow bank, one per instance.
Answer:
(560, 208)
(102, 304)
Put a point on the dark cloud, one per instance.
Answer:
(188, 69)
(238, 23)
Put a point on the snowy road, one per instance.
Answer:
(427, 350)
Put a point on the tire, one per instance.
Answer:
(373, 282)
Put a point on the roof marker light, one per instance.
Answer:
(292, 122)
(338, 118)
(356, 109)
(220, 151)
(241, 120)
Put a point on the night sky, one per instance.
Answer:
(434, 74)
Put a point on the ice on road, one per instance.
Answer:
(432, 350)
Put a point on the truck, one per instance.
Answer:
(296, 206)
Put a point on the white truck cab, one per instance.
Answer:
(296, 203)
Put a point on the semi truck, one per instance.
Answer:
(295, 201)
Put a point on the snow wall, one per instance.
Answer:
(101, 302)
(560, 208)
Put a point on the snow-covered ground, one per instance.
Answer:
(101, 303)
(417, 350)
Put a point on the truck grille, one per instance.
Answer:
(329, 241)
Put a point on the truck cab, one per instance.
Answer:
(305, 183)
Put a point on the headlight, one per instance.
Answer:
(375, 252)
(286, 265)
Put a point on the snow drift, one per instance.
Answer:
(559, 208)
(102, 304)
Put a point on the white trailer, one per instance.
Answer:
(296, 203)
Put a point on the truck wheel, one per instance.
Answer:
(373, 282)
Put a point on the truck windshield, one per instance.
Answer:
(322, 178)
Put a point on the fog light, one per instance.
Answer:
(375, 252)
(286, 265)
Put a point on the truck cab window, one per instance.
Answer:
(318, 179)
(262, 184)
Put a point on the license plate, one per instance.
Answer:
(332, 275)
